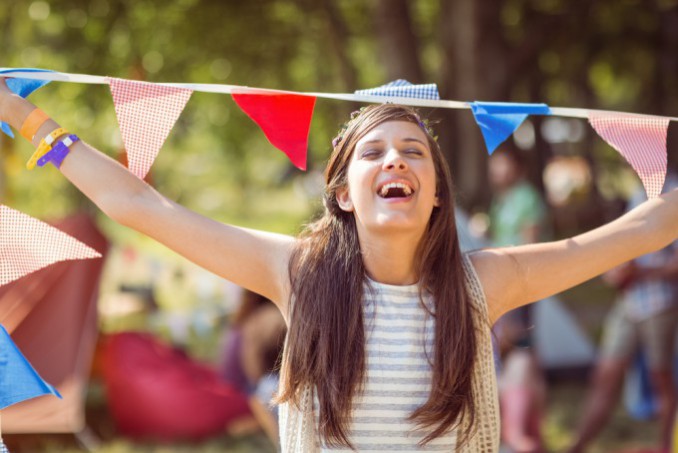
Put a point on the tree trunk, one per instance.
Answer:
(463, 143)
(338, 35)
(397, 41)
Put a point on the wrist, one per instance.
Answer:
(14, 109)
(5, 100)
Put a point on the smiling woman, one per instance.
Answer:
(393, 264)
(389, 342)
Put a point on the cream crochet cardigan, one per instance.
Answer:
(297, 427)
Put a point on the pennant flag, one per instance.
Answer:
(22, 87)
(404, 89)
(146, 115)
(641, 139)
(498, 120)
(18, 379)
(27, 244)
(284, 118)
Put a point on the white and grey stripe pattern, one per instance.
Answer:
(398, 331)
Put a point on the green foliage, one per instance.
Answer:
(216, 160)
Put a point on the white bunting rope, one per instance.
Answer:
(229, 89)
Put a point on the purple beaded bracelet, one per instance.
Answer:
(59, 152)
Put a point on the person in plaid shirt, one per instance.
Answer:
(646, 315)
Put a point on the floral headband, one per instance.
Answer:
(424, 124)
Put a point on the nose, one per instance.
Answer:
(393, 161)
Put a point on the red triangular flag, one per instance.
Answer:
(146, 115)
(285, 118)
(27, 244)
(641, 139)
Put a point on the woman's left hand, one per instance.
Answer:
(5, 94)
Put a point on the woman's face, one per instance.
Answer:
(391, 179)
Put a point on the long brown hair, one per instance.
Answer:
(326, 340)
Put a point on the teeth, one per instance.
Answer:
(392, 185)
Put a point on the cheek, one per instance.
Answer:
(431, 186)
(359, 180)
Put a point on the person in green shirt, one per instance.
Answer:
(517, 216)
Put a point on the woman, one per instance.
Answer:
(365, 365)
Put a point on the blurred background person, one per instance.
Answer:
(252, 349)
(645, 315)
(517, 216)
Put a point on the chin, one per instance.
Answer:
(398, 223)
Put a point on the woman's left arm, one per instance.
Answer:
(516, 276)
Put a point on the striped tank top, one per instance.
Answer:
(399, 338)
(399, 334)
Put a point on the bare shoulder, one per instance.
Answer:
(499, 275)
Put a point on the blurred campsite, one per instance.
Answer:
(617, 55)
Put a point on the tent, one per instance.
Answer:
(52, 317)
(560, 341)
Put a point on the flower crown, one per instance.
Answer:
(424, 124)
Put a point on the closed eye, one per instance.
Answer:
(370, 153)
(414, 152)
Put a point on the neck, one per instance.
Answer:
(389, 258)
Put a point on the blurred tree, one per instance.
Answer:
(604, 54)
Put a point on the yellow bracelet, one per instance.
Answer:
(45, 146)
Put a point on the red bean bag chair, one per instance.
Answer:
(156, 392)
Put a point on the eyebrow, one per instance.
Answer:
(412, 139)
(406, 139)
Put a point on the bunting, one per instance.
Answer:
(498, 120)
(146, 114)
(22, 87)
(285, 119)
(18, 379)
(641, 139)
(404, 89)
(27, 245)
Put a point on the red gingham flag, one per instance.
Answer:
(146, 114)
(27, 245)
(641, 139)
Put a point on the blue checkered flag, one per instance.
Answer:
(404, 89)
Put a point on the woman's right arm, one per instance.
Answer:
(253, 259)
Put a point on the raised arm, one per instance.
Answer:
(516, 276)
(253, 259)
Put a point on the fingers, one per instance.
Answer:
(3, 83)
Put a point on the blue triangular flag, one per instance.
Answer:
(498, 120)
(404, 89)
(18, 379)
(22, 87)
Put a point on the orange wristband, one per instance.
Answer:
(32, 123)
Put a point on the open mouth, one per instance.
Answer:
(395, 190)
